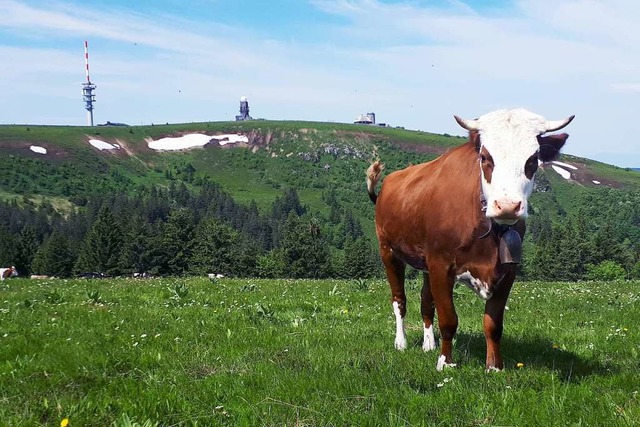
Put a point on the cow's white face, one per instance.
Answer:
(510, 144)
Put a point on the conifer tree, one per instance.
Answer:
(101, 248)
(360, 259)
(215, 248)
(26, 249)
(8, 251)
(54, 257)
(306, 252)
(176, 243)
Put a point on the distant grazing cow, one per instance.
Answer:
(461, 217)
(8, 272)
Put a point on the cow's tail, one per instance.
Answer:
(373, 176)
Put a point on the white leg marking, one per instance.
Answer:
(493, 369)
(401, 340)
(429, 342)
(476, 285)
(442, 364)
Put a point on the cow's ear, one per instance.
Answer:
(550, 146)
(474, 137)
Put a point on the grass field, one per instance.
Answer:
(176, 352)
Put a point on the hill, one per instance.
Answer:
(57, 161)
(251, 176)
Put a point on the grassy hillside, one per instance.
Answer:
(309, 156)
(281, 352)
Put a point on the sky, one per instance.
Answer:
(415, 63)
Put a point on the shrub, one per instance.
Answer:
(606, 270)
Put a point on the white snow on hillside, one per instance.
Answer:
(230, 139)
(101, 145)
(37, 149)
(562, 172)
(194, 140)
(596, 182)
(566, 165)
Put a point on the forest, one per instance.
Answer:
(178, 231)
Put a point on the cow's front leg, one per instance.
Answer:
(493, 322)
(395, 269)
(441, 281)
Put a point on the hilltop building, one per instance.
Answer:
(368, 119)
(244, 110)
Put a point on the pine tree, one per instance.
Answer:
(8, 244)
(361, 261)
(306, 252)
(102, 246)
(177, 243)
(54, 257)
(215, 248)
(138, 238)
(27, 246)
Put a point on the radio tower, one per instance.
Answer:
(87, 88)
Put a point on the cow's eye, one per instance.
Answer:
(531, 166)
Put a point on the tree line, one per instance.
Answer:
(177, 231)
(600, 241)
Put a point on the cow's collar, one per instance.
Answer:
(486, 223)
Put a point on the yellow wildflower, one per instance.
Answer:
(64, 423)
(520, 364)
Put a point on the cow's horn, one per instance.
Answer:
(467, 124)
(553, 125)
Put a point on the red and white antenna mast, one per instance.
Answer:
(87, 88)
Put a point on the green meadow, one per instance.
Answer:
(197, 352)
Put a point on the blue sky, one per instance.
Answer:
(415, 63)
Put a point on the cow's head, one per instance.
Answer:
(510, 144)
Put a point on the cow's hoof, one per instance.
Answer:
(429, 342)
(400, 344)
(442, 364)
(428, 346)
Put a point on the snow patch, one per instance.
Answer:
(566, 165)
(596, 182)
(101, 145)
(194, 140)
(562, 172)
(230, 139)
(37, 149)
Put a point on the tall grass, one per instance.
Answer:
(283, 352)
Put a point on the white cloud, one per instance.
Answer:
(626, 87)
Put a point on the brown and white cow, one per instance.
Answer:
(8, 272)
(450, 217)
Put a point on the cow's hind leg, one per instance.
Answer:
(428, 309)
(395, 269)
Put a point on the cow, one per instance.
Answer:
(461, 218)
(8, 272)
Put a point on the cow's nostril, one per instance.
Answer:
(517, 207)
